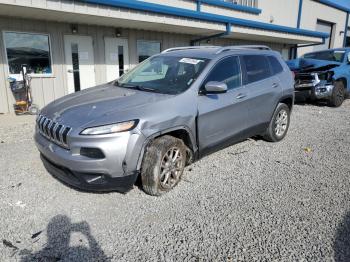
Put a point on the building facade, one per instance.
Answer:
(72, 45)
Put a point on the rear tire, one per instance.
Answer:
(279, 124)
(163, 165)
(338, 94)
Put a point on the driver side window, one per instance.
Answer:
(227, 71)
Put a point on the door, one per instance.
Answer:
(222, 118)
(325, 27)
(117, 57)
(80, 65)
(262, 87)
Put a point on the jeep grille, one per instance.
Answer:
(53, 131)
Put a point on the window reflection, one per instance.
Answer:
(32, 50)
(146, 49)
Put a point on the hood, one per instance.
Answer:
(305, 64)
(99, 105)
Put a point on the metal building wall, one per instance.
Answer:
(47, 89)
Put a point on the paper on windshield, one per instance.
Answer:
(190, 61)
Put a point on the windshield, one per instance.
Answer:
(164, 74)
(331, 55)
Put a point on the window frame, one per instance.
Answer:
(201, 86)
(245, 71)
(33, 75)
(149, 41)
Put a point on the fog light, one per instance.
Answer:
(92, 152)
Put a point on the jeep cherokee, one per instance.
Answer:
(170, 110)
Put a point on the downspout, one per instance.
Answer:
(346, 29)
(299, 46)
(199, 3)
(198, 40)
(299, 13)
(295, 53)
(322, 43)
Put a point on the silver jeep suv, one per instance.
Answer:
(169, 111)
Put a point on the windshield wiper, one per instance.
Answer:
(138, 87)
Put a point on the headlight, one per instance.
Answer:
(110, 129)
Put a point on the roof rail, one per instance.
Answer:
(235, 47)
(187, 48)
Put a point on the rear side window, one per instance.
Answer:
(257, 68)
(275, 65)
(227, 71)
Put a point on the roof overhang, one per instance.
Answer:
(163, 19)
(186, 13)
(246, 33)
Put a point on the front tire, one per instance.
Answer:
(338, 94)
(163, 165)
(279, 124)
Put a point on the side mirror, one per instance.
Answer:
(348, 58)
(214, 87)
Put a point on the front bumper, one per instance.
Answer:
(117, 170)
(320, 91)
(88, 181)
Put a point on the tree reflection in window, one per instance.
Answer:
(32, 50)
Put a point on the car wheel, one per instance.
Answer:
(163, 164)
(338, 94)
(279, 124)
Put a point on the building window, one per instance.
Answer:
(29, 49)
(146, 49)
(325, 27)
(250, 3)
(347, 42)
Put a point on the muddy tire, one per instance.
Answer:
(338, 95)
(163, 164)
(279, 124)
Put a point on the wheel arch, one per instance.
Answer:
(344, 81)
(288, 100)
(181, 132)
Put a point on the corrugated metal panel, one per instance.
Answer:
(4, 106)
(47, 89)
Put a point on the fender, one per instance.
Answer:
(164, 132)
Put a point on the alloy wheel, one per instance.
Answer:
(171, 168)
(281, 123)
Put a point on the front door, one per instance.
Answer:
(117, 57)
(79, 54)
(222, 118)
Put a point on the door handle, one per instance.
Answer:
(72, 70)
(274, 85)
(240, 96)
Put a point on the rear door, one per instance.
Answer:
(222, 117)
(263, 89)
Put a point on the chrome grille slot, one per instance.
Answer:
(53, 131)
(57, 133)
(64, 134)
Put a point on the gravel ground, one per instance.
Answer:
(288, 201)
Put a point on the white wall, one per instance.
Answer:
(283, 12)
(312, 11)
